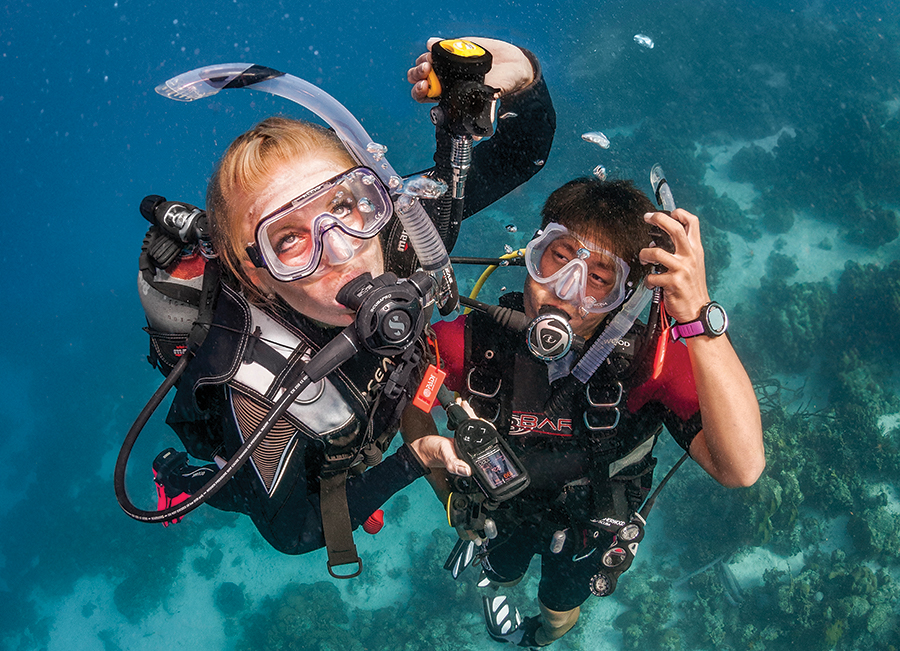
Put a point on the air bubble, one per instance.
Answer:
(378, 151)
(597, 138)
(423, 187)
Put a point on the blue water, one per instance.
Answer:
(777, 123)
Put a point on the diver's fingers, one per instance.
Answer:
(658, 255)
(418, 77)
(452, 462)
(439, 452)
(431, 41)
(418, 72)
(459, 467)
(690, 222)
(673, 227)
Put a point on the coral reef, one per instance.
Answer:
(314, 618)
(230, 599)
(841, 171)
(304, 617)
(783, 328)
(650, 607)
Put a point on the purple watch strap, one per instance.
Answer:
(686, 330)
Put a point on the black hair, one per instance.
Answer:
(609, 213)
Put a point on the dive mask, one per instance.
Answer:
(332, 220)
(578, 272)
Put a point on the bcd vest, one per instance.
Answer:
(597, 458)
(254, 355)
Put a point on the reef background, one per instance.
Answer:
(777, 123)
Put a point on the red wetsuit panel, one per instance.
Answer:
(675, 387)
(451, 337)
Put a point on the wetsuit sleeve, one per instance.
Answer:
(451, 346)
(365, 494)
(518, 149)
(676, 391)
(370, 490)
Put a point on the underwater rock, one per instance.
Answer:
(781, 266)
(785, 330)
(752, 164)
(207, 566)
(725, 213)
(229, 599)
(852, 607)
(881, 620)
(868, 297)
(137, 595)
(874, 227)
(876, 533)
(398, 507)
(303, 616)
(775, 215)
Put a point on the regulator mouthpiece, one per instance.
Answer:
(550, 337)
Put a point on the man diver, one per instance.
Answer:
(588, 453)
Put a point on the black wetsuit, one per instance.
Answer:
(279, 487)
(591, 463)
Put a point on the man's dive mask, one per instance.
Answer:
(578, 272)
(331, 220)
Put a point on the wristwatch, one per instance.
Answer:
(713, 322)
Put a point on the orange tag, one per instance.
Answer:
(663, 342)
(427, 392)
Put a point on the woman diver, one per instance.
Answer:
(294, 217)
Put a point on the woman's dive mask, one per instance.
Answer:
(578, 272)
(332, 220)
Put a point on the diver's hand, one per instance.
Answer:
(439, 452)
(511, 69)
(684, 280)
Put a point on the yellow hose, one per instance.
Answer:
(520, 253)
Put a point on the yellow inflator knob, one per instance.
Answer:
(462, 48)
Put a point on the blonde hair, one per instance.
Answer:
(249, 164)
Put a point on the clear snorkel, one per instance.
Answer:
(424, 237)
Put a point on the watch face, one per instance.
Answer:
(716, 319)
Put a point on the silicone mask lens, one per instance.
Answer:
(329, 218)
(578, 272)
